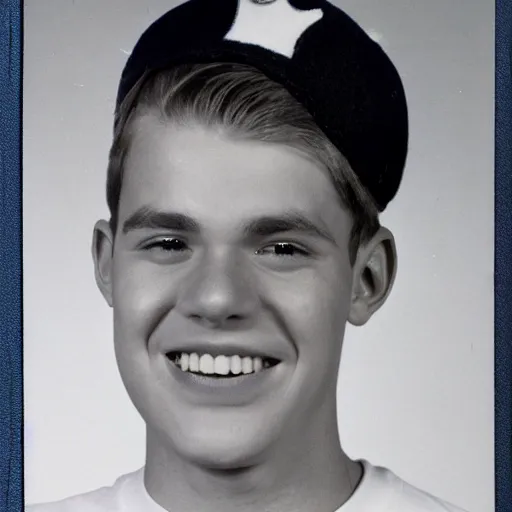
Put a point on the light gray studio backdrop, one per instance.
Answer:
(416, 387)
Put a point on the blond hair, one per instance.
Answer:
(245, 103)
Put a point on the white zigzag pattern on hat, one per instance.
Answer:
(276, 26)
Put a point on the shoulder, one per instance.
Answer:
(412, 499)
(100, 500)
(404, 497)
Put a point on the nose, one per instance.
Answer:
(219, 292)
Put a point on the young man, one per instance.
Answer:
(255, 143)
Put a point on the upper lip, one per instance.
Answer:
(223, 349)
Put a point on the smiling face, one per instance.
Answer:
(226, 250)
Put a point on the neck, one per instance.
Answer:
(307, 472)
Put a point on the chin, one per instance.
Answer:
(224, 445)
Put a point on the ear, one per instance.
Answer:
(102, 254)
(374, 274)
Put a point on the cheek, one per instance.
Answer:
(314, 311)
(142, 295)
(315, 308)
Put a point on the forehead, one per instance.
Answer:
(206, 173)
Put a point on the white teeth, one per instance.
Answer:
(236, 365)
(221, 365)
(247, 365)
(184, 362)
(206, 364)
(193, 363)
(258, 364)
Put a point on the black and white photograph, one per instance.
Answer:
(258, 254)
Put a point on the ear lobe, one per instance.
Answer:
(102, 254)
(375, 271)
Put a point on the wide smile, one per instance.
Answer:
(224, 379)
(223, 366)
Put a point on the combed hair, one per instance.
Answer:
(245, 104)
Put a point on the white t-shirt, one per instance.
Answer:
(379, 491)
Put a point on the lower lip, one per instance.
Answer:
(229, 390)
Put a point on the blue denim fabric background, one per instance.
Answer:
(503, 274)
(11, 363)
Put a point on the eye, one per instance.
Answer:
(167, 245)
(167, 250)
(283, 250)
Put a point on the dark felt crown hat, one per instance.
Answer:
(316, 51)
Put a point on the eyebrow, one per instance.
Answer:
(289, 221)
(148, 218)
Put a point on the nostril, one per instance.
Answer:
(216, 320)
